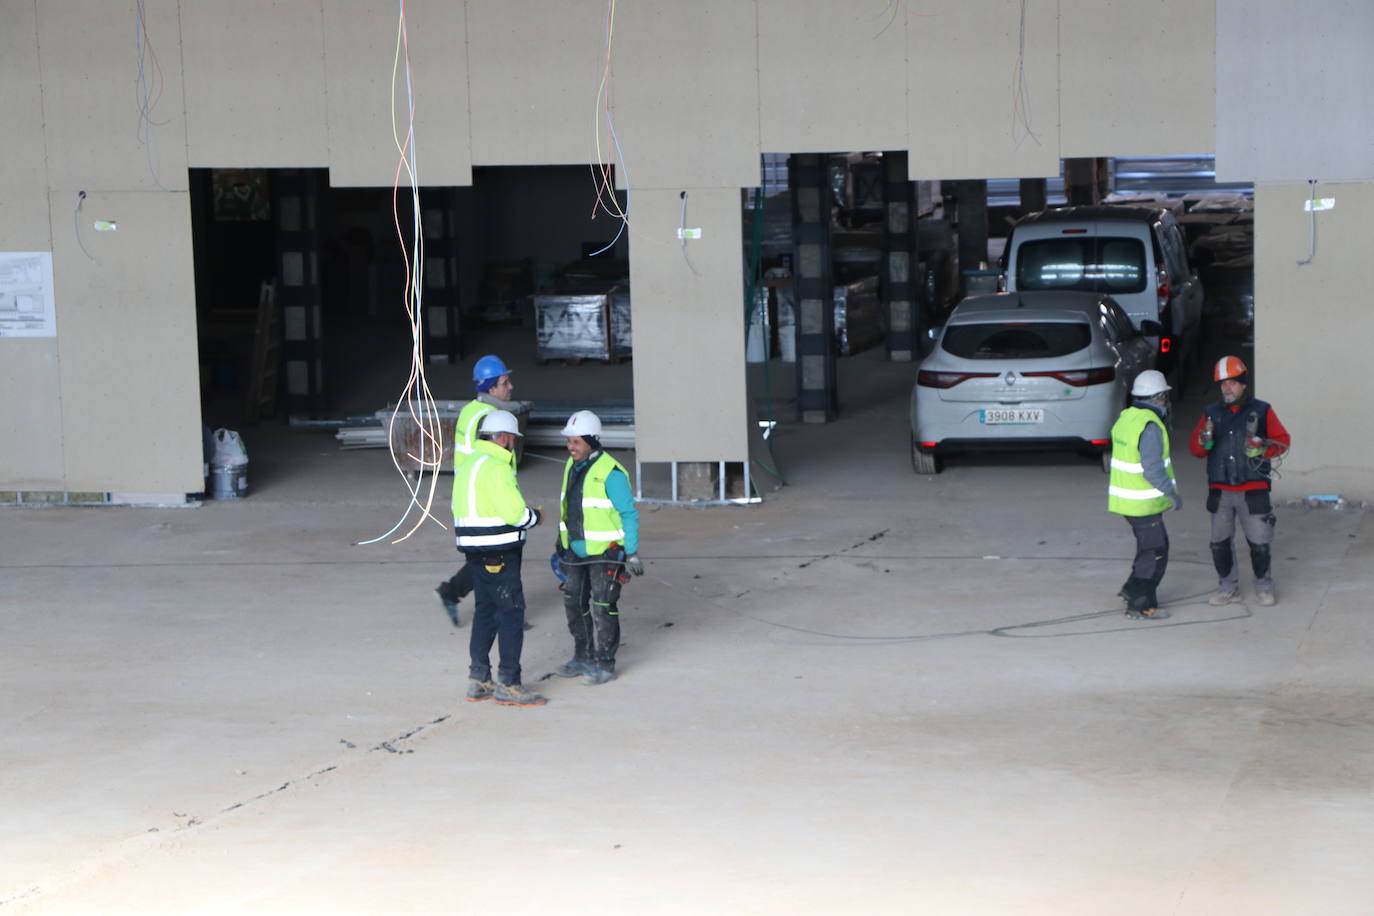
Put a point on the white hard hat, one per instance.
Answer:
(582, 423)
(1149, 383)
(500, 421)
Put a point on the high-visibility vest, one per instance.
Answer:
(469, 419)
(1128, 492)
(600, 522)
(489, 511)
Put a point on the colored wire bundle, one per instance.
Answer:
(603, 171)
(416, 404)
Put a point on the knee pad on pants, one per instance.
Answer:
(1223, 558)
(1259, 559)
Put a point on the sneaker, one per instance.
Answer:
(516, 695)
(1267, 598)
(598, 676)
(450, 606)
(1224, 596)
(1150, 613)
(573, 667)
(479, 690)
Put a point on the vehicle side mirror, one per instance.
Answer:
(1151, 328)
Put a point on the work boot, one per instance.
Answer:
(516, 695)
(1224, 596)
(597, 676)
(450, 603)
(479, 690)
(1150, 613)
(1267, 598)
(573, 667)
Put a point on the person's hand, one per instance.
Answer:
(634, 564)
(1175, 502)
(1254, 447)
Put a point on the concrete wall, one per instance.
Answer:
(1294, 85)
(988, 88)
(1314, 323)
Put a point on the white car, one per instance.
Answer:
(1037, 369)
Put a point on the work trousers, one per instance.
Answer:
(459, 585)
(1151, 559)
(590, 600)
(1235, 508)
(499, 613)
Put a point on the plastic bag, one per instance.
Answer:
(229, 449)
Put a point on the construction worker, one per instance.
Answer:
(598, 539)
(490, 519)
(494, 390)
(1141, 487)
(1239, 436)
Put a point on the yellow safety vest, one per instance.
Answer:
(600, 521)
(469, 420)
(489, 511)
(1128, 492)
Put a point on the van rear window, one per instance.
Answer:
(1099, 264)
(1018, 340)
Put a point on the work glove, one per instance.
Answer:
(1254, 447)
(634, 564)
(1175, 501)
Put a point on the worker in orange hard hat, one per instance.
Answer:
(1240, 436)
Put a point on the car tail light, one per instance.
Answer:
(1100, 442)
(929, 379)
(927, 444)
(1074, 231)
(1079, 378)
(1002, 282)
(1162, 288)
(1165, 344)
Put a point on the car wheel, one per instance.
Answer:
(1106, 461)
(924, 462)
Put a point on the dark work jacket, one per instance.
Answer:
(1227, 462)
(576, 477)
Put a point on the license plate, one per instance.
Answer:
(1011, 415)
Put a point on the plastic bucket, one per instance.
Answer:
(228, 481)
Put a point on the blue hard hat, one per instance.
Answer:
(489, 367)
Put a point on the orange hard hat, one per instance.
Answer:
(1228, 367)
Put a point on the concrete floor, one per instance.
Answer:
(875, 692)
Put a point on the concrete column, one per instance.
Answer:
(439, 215)
(817, 394)
(1033, 195)
(899, 259)
(295, 204)
(1084, 181)
(971, 222)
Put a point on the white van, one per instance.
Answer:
(1134, 254)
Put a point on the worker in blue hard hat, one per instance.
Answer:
(491, 378)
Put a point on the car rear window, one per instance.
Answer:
(1092, 263)
(1016, 340)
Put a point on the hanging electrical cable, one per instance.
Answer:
(416, 404)
(148, 86)
(1020, 100)
(603, 171)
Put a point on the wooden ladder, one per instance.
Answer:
(265, 363)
